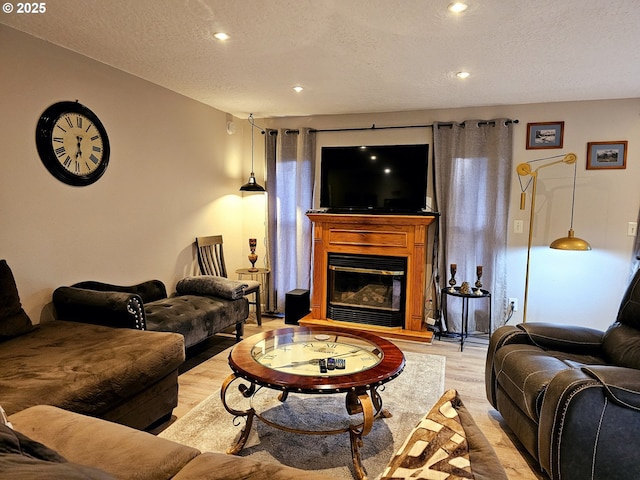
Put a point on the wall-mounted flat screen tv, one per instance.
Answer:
(374, 179)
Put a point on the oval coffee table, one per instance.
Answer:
(315, 360)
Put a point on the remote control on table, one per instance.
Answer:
(331, 363)
(340, 363)
(323, 365)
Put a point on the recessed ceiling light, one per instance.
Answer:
(462, 74)
(221, 36)
(298, 88)
(457, 7)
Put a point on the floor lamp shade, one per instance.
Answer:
(570, 242)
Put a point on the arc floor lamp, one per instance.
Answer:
(570, 242)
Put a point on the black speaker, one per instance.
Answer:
(296, 305)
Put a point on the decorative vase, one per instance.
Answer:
(253, 258)
(478, 282)
(452, 282)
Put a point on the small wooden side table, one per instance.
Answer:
(465, 308)
(261, 275)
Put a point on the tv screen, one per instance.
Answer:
(381, 178)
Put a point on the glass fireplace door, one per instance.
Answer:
(367, 289)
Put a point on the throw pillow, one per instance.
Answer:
(211, 285)
(13, 319)
(436, 448)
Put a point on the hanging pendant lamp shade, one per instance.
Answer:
(570, 242)
(252, 185)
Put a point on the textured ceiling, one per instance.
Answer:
(356, 56)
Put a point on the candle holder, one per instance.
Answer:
(478, 282)
(453, 268)
(253, 258)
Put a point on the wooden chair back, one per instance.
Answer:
(211, 256)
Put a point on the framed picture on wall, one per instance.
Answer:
(545, 135)
(606, 155)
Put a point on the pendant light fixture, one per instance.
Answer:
(252, 185)
(571, 242)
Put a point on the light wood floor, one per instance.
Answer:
(206, 367)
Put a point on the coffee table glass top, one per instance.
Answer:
(316, 353)
(316, 359)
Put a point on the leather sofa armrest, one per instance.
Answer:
(504, 335)
(621, 384)
(564, 338)
(113, 309)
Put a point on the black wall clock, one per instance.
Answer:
(72, 143)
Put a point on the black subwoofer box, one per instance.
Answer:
(296, 305)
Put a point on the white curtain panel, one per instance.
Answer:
(472, 173)
(290, 174)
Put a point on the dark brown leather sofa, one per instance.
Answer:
(571, 394)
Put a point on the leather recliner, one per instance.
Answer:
(572, 394)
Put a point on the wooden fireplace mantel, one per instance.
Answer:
(390, 235)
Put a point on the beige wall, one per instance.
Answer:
(174, 174)
(566, 287)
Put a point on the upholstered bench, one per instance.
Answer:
(201, 307)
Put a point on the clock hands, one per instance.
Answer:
(79, 152)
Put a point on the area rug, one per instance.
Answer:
(209, 427)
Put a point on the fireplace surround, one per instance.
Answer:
(391, 238)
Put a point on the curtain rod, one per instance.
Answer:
(391, 127)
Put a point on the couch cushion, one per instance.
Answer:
(121, 451)
(446, 445)
(213, 286)
(13, 319)
(24, 459)
(84, 368)
(195, 317)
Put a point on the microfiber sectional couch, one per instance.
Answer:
(122, 375)
(114, 352)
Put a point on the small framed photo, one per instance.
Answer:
(606, 155)
(545, 135)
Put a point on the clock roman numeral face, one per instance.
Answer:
(77, 144)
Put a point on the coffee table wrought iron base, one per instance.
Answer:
(363, 400)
